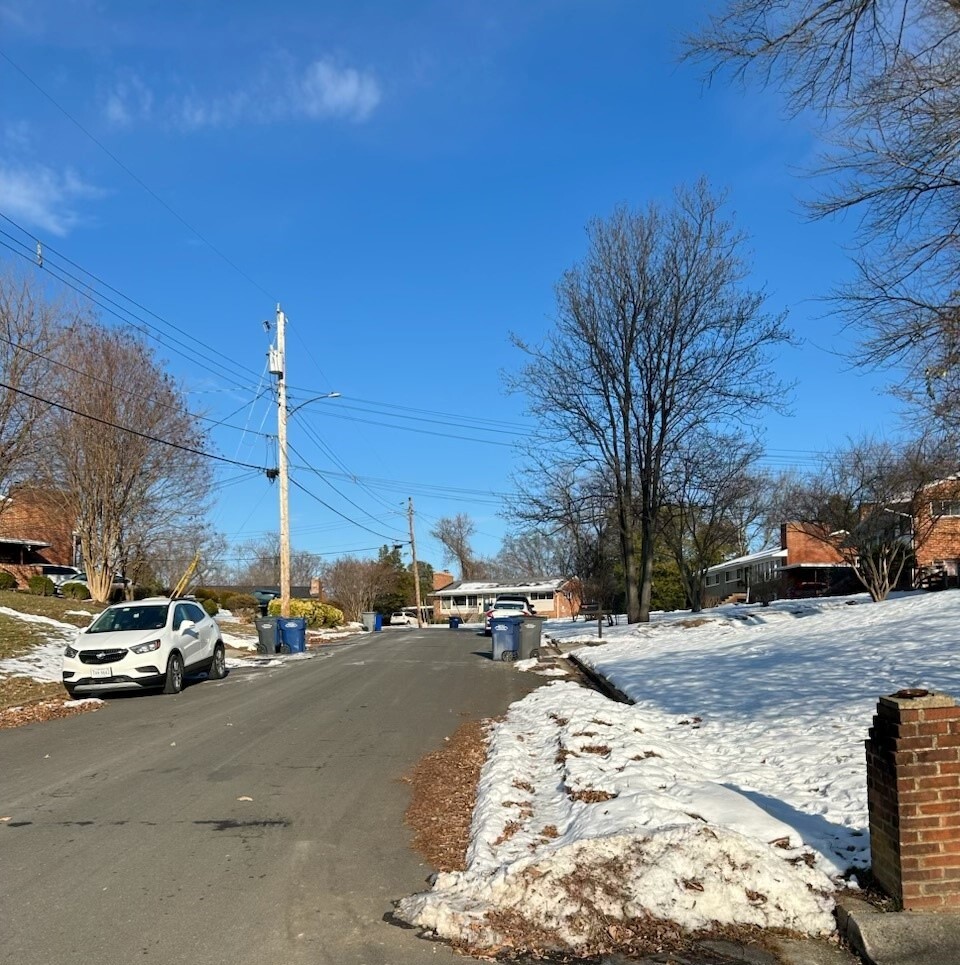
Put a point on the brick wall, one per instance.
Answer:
(441, 579)
(33, 514)
(803, 546)
(913, 796)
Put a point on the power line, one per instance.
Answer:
(110, 385)
(114, 308)
(337, 512)
(136, 432)
(134, 176)
(327, 482)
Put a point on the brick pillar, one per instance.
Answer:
(913, 796)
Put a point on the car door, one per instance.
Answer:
(188, 638)
(209, 632)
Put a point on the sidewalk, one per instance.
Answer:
(899, 937)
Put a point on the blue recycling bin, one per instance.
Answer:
(505, 634)
(454, 623)
(293, 634)
(378, 622)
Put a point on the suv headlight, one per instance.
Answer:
(146, 647)
(69, 651)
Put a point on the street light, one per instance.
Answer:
(316, 398)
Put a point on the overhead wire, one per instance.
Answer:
(114, 308)
(337, 512)
(134, 176)
(136, 432)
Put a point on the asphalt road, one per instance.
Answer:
(128, 840)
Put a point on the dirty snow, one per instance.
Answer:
(733, 790)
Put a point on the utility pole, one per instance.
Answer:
(416, 568)
(278, 368)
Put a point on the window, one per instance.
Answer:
(728, 576)
(945, 507)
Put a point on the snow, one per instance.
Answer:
(733, 790)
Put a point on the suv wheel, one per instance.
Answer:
(174, 680)
(218, 666)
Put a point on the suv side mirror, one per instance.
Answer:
(187, 625)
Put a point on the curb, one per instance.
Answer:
(599, 682)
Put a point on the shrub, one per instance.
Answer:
(75, 591)
(7, 580)
(210, 605)
(41, 585)
(203, 593)
(315, 613)
(242, 605)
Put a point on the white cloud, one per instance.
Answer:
(129, 101)
(331, 91)
(43, 198)
(323, 90)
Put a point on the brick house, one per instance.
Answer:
(34, 530)
(934, 534)
(469, 599)
(802, 565)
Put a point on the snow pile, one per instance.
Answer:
(581, 817)
(733, 790)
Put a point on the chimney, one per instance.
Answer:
(441, 579)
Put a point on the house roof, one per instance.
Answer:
(480, 587)
(35, 544)
(769, 554)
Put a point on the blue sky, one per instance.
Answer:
(409, 181)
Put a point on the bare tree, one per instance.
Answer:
(455, 533)
(532, 555)
(656, 336)
(355, 583)
(577, 509)
(258, 562)
(867, 502)
(711, 499)
(887, 74)
(30, 328)
(163, 559)
(122, 449)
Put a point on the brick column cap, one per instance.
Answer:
(925, 699)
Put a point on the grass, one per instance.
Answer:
(18, 637)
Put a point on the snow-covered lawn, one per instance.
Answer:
(733, 790)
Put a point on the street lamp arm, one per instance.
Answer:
(316, 398)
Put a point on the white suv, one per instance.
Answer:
(152, 643)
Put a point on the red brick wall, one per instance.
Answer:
(803, 546)
(913, 796)
(32, 514)
(441, 579)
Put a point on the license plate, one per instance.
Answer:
(101, 672)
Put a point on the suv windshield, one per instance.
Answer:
(153, 617)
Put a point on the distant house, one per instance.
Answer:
(932, 529)
(802, 565)
(469, 599)
(34, 530)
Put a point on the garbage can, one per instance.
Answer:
(505, 634)
(369, 620)
(455, 623)
(268, 634)
(530, 630)
(378, 621)
(293, 634)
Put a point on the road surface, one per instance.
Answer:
(130, 837)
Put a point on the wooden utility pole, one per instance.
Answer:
(416, 568)
(278, 368)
